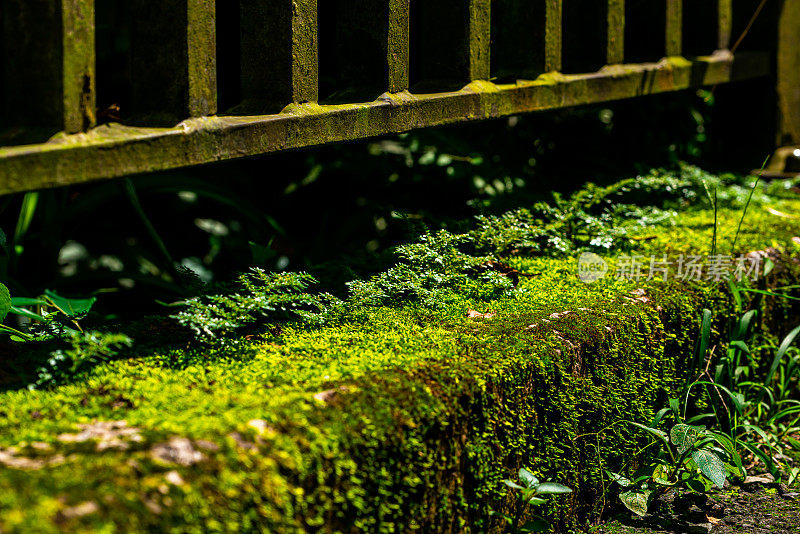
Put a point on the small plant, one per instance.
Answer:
(261, 297)
(85, 349)
(428, 271)
(49, 315)
(690, 456)
(530, 492)
(593, 218)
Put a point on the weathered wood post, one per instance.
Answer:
(49, 64)
(788, 74)
(364, 48)
(279, 59)
(450, 43)
(173, 59)
(591, 37)
(526, 38)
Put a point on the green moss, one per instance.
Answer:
(400, 417)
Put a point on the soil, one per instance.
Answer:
(753, 508)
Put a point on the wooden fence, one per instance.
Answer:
(95, 89)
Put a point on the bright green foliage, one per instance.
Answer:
(605, 219)
(86, 348)
(589, 219)
(403, 414)
(52, 315)
(262, 297)
(683, 437)
(5, 302)
(531, 493)
(689, 458)
(431, 272)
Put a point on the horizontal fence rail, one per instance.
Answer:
(95, 89)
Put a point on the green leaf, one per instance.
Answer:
(527, 478)
(661, 475)
(537, 525)
(711, 466)
(785, 344)
(26, 301)
(26, 213)
(765, 458)
(29, 314)
(536, 501)
(546, 488)
(635, 501)
(683, 437)
(741, 345)
(70, 307)
(697, 485)
(730, 448)
(619, 479)
(5, 302)
(676, 408)
(512, 484)
(705, 336)
(658, 417)
(660, 434)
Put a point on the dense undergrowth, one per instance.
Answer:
(404, 404)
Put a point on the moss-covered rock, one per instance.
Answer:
(395, 418)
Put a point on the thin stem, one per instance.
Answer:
(15, 331)
(130, 191)
(747, 205)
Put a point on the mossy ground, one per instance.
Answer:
(393, 419)
(750, 509)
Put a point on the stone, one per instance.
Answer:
(700, 528)
(177, 450)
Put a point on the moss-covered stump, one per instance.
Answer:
(395, 419)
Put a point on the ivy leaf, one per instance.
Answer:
(527, 478)
(635, 501)
(711, 466)
(683, 437)
(5, 302)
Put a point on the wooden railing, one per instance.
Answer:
(95, 89)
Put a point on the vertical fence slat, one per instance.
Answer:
(725, 23)
(49, 63)
(788, 73)
(553, 35)
(202, 57)
(173, 59)
(305, 54)
(616, 32)
(398, 38)
(279, 61)
(674, 29)
(32, 63)
(79, 65)
(480, 22)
